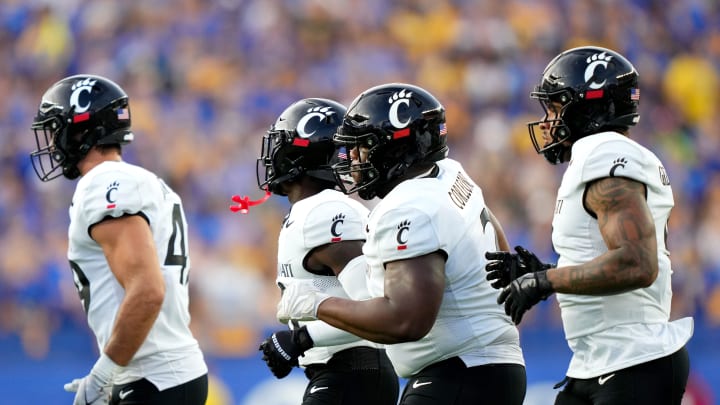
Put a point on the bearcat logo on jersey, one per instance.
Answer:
(619, 162)
(108, 196)
(401, 237)
(337, 220)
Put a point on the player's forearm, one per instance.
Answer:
(614, 272)
(376, 320)
(135, 318)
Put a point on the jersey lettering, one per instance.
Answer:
(460, 191)
(286, 270)
(173, 259)
(82, 284)
(664, 178)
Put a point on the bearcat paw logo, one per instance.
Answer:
(602, 57)
(400, 95)
(327, 111)
(339, 217)
(114, 185)
(618, 163)
(87, 83)
(402, 237)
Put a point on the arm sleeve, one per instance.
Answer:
(323, 334)
(353, 279)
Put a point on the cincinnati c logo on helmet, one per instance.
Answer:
(599, 59)
(80, 87)
(395, 101)
(315, 112)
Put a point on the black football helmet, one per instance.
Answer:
(75, 114)
(399, 125)
(300, 142)
(593, 89)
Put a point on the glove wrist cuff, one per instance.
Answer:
(301, 337)
(105, 368)
(544, 286)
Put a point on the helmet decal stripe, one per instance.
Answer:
(301, 142)
(81, 117)
(401, 133)
(593, 94)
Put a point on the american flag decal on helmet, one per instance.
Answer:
(443, 129)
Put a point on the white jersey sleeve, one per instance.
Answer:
(605, 161)
(113, 194)
(405, 232)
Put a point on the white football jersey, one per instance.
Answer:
(326, 217)
(448, 213)
(608, 333)
(170, 354)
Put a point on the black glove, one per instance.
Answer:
(524, 292)
(282, 349)
(505, 267)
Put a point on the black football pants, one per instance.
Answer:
(450, 382)
(143, 392)
(356, 376)
(657, 382)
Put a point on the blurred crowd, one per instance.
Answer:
(207, 78)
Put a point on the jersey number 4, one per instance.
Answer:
(174, 258)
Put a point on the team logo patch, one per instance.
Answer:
(594, 72)
(80, 97)
(618, 163)
(401, 98)
(401, 237)
(109, 195)
(321, 113)
(338, 220)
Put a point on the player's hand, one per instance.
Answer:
(282, 349)
(300, 300)
(505, 267)
(90, 390)
(96, 387)
(523, 293)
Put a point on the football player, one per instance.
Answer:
(128, 250)
(320, 242)
(426, 239)
(609, 229)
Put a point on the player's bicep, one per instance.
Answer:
(621, 209)
(415, 287)
(129, 247)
